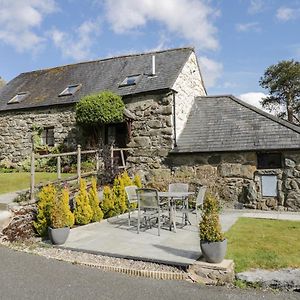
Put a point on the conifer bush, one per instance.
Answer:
(137, 181)
(95, 203)
(108, 202)
(119, 192)
(83, 212)
(60, 213)
(46, 200)
(210, 226)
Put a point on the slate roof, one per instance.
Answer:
(44, 86)
(225, 123)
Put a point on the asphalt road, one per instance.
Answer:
(25, 276)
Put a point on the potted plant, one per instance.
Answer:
(61, 218)
(212, 241)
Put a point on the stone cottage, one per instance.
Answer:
(173, 129)
(157, 87)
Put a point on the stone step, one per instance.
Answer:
(5, 218)
(7, 200)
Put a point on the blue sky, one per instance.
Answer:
(235, 40)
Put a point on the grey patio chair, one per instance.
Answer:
(180, 187)
(199, 201)
(131, 199)
(148, 207)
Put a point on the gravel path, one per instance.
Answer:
(90, 259)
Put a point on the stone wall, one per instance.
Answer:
(188, 85)
(16, 129)
(235, 177)
(152, 131)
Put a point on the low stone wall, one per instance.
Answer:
(235, 177)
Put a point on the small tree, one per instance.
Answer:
(94, 111)
(108, 202)
(83, 212)
(2, 82)
(46, 200)
(209, 226)
(119, 192)
(60, 213)
(94, 202)
(283, 84)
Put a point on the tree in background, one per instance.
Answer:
(283, 84)
(2, 82)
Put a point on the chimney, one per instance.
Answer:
(153, 65)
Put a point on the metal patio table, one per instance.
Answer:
(172, 197)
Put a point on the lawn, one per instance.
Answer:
(265, 244)
(10, 182)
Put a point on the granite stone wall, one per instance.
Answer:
(16, 130)
(235, 177)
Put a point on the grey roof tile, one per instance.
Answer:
(225, 123)
(44, 86)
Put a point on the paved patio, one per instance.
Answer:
(114, 237)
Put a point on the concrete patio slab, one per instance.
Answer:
(114, 237)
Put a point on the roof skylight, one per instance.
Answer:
(18, 98)
(70, 90)
(130, 80)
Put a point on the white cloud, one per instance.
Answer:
(76, 46)
(211, 70)
(20, 18)
(253, 98)
(244, 27)
(256, 6)
(286, 13)
(191, 19)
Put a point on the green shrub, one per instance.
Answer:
(46, 199)
(115, 199)
(94, 202)
(209, 226)
(103, 108)
(137, 181)
(83, 212)
(60, 213)
(108, 202)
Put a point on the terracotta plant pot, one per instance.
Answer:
(213, 252)
(58, 236)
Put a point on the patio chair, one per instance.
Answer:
(148, 208)
(131, 200)
(180, 187)
(199, 201)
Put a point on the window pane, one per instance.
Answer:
(269, 161)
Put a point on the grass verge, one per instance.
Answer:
(10, 182)
(264, 244)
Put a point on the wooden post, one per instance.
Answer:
(97, 161)
(78, 163)
(123, 159)
(112, 156)
(58, 168)
(32, 161)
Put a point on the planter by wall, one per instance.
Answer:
(213, 252)
(58, 236)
